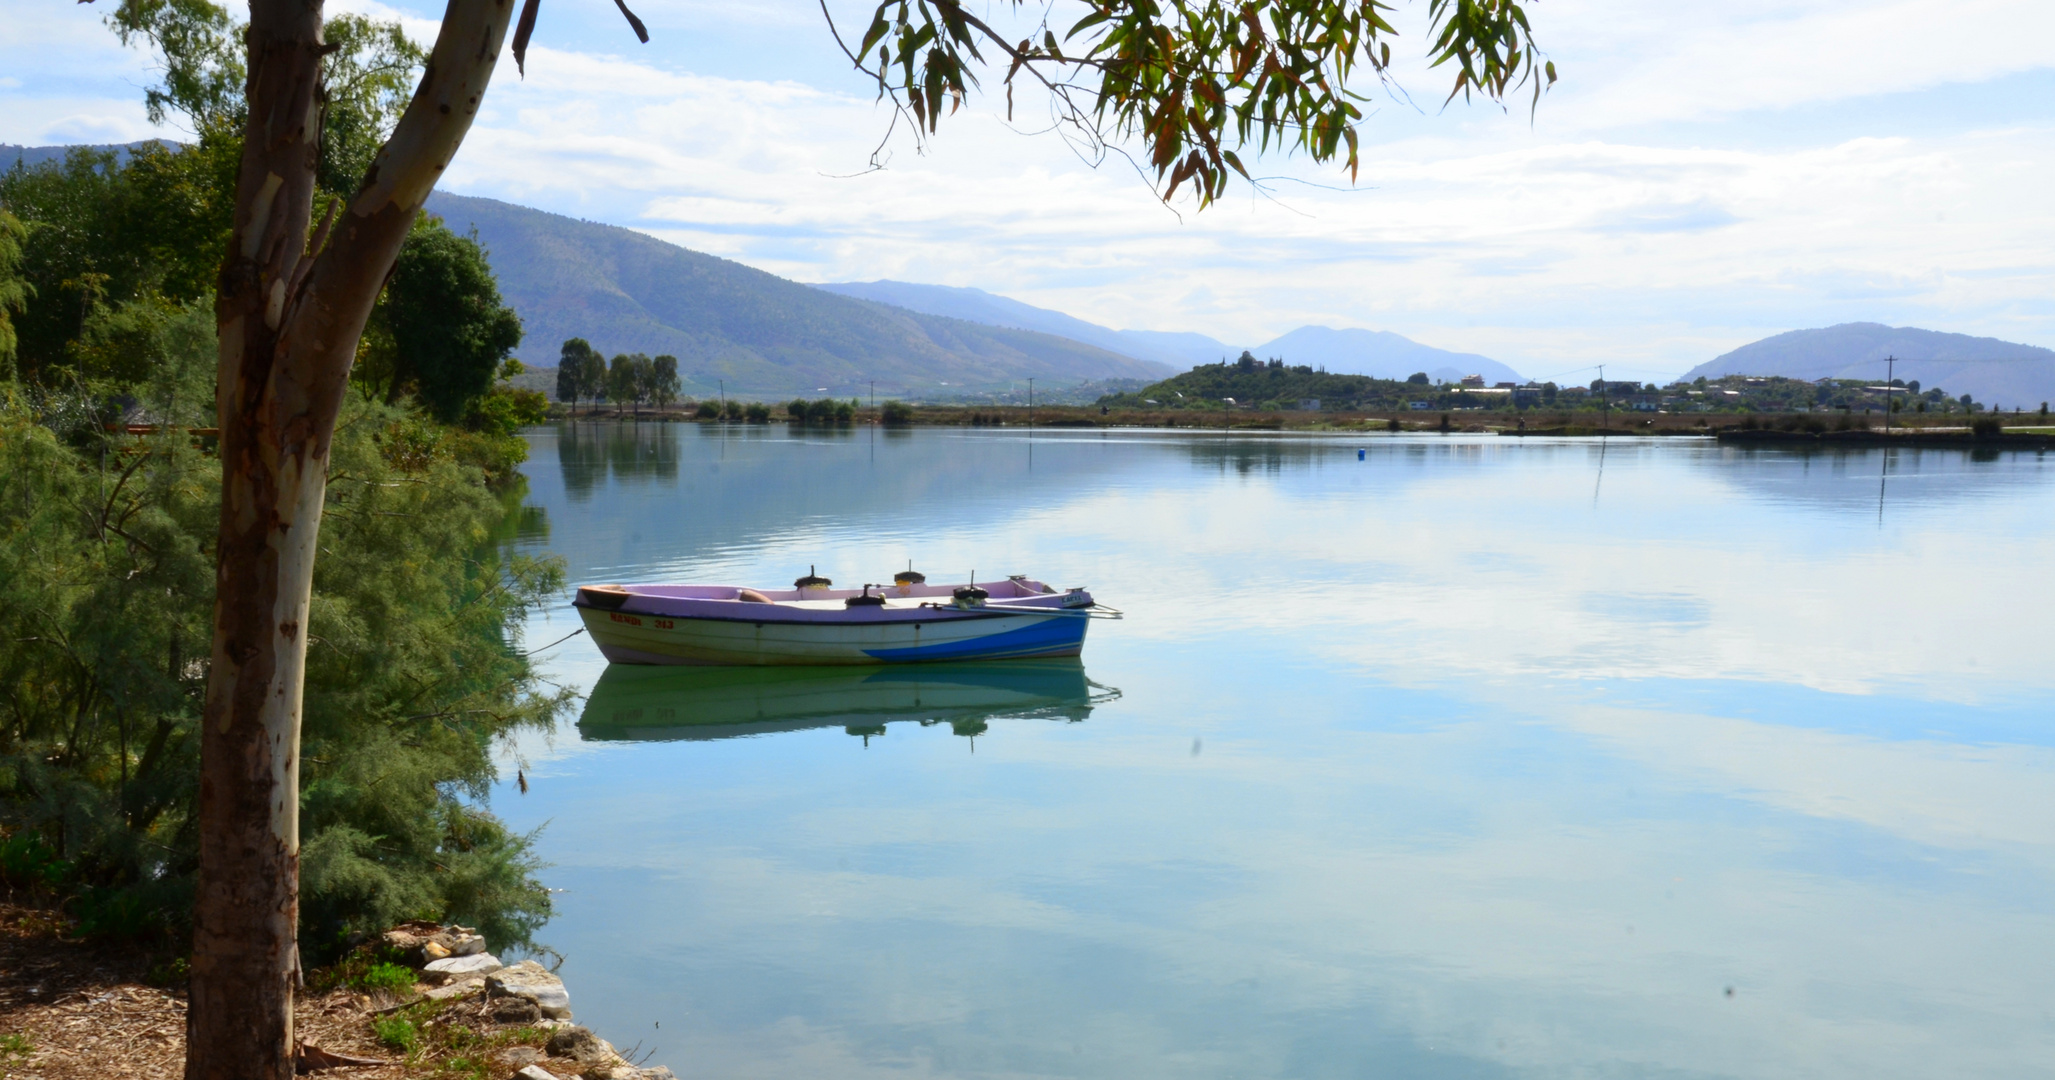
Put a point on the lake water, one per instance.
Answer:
(1477, 757)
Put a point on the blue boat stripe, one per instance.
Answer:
(1042, 637)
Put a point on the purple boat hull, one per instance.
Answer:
(732, 625)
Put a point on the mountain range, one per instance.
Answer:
(12, 154)
(740, 328)
(1178, 351)
(1999, 373)
(1342, 352)
(753, 332)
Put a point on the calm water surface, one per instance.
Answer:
(1476, 758)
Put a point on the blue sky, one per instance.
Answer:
(1704, 176)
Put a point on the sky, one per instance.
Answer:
(1703, 176)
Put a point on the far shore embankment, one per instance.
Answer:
(1823, 429)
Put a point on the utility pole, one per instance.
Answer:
(874, 395)
(1031, 404)
(1890, 388)
(724, 399)
(1605, 401)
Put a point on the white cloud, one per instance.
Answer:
(1678, 62)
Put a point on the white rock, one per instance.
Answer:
(467, 945)
(461, 967)
(657, 1073)
(457, 989)
(531, 980)
(535, 1072)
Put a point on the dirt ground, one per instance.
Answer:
(70, 1010)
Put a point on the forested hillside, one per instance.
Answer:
(1272, 384)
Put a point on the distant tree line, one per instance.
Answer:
(632, 378)
(824, 411)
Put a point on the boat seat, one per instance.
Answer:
(751, 596)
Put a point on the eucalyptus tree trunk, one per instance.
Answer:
(290, 309)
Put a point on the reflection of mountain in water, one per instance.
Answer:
(661, 704)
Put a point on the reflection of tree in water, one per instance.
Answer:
(588, 453)
(1846, 478)
(643, 450)
(1267, 455)
(581, 457)
(523, 523)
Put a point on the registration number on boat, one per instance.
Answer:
(661, 624)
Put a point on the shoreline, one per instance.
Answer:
(80, 1009)
(1798, 429)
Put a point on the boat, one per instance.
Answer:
(907, 621)
(632, 703)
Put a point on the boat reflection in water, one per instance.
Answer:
(651, 704)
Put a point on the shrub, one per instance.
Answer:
(897, 413)
(505, 410)
(733, 411)
(133, 913)
(709, 410)
(103, 649)
(392, 978)
(26, 861)
(796, 409)
(398, 1033)
(757, 413)
(1987, 427)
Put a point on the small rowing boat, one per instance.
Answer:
(908, 621)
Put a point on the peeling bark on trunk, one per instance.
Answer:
(289, 318)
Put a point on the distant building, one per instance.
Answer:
(1473, 382)
(1311, 404)
(1420, 406)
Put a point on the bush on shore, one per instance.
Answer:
(106, 595)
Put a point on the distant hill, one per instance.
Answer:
(1176, 351)
(1380, 354)
(1377, 353)
(1189, 349)
(627, 292)
(1998, 373)
(1266, 385)
(32, 156)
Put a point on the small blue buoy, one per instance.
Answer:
(1360, 453)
